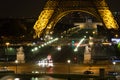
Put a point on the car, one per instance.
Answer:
(112, 73)
(88, 72)
(4, 69)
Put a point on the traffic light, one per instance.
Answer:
(73, 44)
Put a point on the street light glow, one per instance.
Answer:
(76, 48)
(68, 61)
(114, 63)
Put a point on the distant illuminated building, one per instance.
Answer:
(89, 24)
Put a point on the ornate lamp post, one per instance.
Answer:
(114, 63)
(68, 61)
(16, 62)
(7, 44)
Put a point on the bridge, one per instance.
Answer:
(26, 71)
(61, 76)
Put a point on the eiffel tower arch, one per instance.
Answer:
(54, 10)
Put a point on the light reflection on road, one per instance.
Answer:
(33, 78)
(7, 78)
(46, 78)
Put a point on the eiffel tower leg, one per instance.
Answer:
(106, 14)
(44, 17)
(41, 23)
(55, 9)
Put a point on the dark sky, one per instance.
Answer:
(21, 8)
(32, 8)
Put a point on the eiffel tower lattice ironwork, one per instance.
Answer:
(54, 10)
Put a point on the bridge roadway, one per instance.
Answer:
(59, 70)
(29, 76)
(58, 67)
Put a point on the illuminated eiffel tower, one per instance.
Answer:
(54, 10)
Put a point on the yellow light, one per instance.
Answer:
(106, 43)
(93, 32)
(116, 35)
(7, 43)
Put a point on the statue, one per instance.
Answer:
(20, 55)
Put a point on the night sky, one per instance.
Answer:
(21, 8)
(32, 8)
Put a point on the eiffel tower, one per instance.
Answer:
(54, 10)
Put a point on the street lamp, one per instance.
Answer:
(7, 44)
(16, 62)
(68, 61)
(114, 63)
